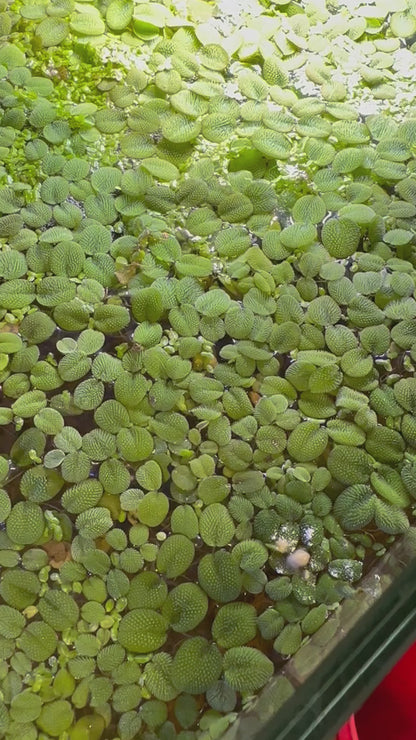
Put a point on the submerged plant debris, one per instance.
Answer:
(207, 347)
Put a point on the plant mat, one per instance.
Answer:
(207, 347)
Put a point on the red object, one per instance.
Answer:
(349, 731)
(390, 712)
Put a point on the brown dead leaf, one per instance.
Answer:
(10, 329)
(102, 544)
(126, 274)
(58, 553)
(254, 397)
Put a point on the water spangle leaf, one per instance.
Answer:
(142, 630)
(208, 331)
(205, 660)
(246, 669)
(175, 555)
(216, 525)
(185, 607)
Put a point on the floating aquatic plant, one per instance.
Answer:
(207, 347)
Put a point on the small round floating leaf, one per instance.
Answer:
(309, 208)
(169, 81)
(186, 710)
(375, 340)
(196, 666)
(128, 725)
(175, 555)
(349, 465)
(213, 56)
(402, 24)
(327, 378)
(94, 522)
(170, 426)
(15, 294)
(216, 127)
(111, 416)
(345, 432)
(390, 519)
(12, 264)
(110, 657)
(221, 697)
(25, 523)
(314, 619)
(213, 489)
(19, 588)
(235, 207)
(178, 128)
(213, 303)
(39, 484)
(58, 609)
(87, 23)
(158, 678)
(29, 439)
(356, 363)
(52, 31)
(134, 444)
(355, 507)
(216, 525)
(289, 640)
(110, 120)
(29, 404)
(5, 505)
(105, 179)
(105, 367)
(10, 343)
(184, 521)
(185, 607)
(250, 554)
(38, 641)
(147, 305)
(403, 309)
(271, 440)
(246, 669)
(271, 143)
(98, 445)
(49, 421)
(388, 484)
(11, 622)
(219, 576)
(149, 476)
(55, 717)
(307, 442)
(234, 625)
(119, 14)
(358, 212)
(90, 341)
(147, 589)
(298, 235)
(161, 169)
(142, 631)
(405, 393)
(323, 311)
(114, 476)
(25, 707)
(385, 445)
(73, 366)
(341, 237)
(110, 319)
(270, 623)
(54, 189)
(153, 508)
